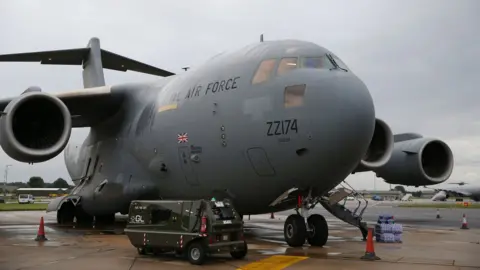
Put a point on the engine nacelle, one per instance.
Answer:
(380, 148)
(418, 162)
(35, 127)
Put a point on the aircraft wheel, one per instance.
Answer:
(240, 254)
(318, 235)
(196, 253)
(65, 214)
(105, 220)
(295, 230)
(83, 219)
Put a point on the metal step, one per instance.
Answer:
(342, 213)
(338, 195)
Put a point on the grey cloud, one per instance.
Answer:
(418, 58)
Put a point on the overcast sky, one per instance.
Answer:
(419, 58)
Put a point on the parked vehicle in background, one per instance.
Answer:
(26, 198)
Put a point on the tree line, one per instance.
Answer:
(38, 182)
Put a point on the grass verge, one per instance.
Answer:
(439, 205)
(23, 207)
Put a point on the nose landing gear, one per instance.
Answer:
(300, 227)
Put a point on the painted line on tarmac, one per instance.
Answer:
(276, 262)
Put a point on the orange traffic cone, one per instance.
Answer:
(370, 252)
(464, 223)
(272, 216)
(41, 232)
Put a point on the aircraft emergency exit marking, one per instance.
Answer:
(281, 127)
(213, 87)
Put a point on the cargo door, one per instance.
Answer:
(187, 166)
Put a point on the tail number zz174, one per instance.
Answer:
(282, 127)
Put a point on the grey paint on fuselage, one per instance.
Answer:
(472, 191)
(227, 131)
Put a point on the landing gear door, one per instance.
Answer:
(184, 156)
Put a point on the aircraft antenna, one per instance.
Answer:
(261, 38)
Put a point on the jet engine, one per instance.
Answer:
(380, 148)
(418, 162)
(35, 127)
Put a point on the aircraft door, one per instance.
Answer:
(186, 165)
(259, 161)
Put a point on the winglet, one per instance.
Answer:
(93, 60)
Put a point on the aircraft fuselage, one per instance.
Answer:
(212, 132)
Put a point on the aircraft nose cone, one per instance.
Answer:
(342, 115)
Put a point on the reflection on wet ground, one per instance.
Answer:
(108, 248)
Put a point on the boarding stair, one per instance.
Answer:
(333, 204)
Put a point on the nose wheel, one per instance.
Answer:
(300, 227)
(295, 231)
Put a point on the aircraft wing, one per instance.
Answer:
(87, 106)
(459, 193)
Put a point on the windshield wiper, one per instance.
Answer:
(336, 66)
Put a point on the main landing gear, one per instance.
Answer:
(300, 227)
(70, 214)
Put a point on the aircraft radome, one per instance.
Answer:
(275, 125)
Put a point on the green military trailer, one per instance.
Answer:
(195, 228)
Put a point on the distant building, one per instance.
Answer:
(42, 192)
(10, 189)
(385, 194)
(428, 193)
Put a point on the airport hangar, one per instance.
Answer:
(42, 192)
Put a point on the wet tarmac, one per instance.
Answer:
(423, 217)
(428, 243)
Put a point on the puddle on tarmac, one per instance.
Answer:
(18, 227)
(275, 251)
(49, 243)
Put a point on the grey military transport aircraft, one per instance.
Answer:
(472, 191)
(273, 126)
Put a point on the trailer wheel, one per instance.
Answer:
(240, 254)
(141, 251)
(196, 253)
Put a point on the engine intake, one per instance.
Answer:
(35, 127)
(418, 162)
(380, 148)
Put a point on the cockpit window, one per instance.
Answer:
(321, 62)
(287, 64)
(264, 71)
(340, 62)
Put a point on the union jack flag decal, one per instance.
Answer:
(182, 138)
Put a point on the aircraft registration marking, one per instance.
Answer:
(276, 262)
(282, 127)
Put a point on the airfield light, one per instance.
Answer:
(5, 182)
